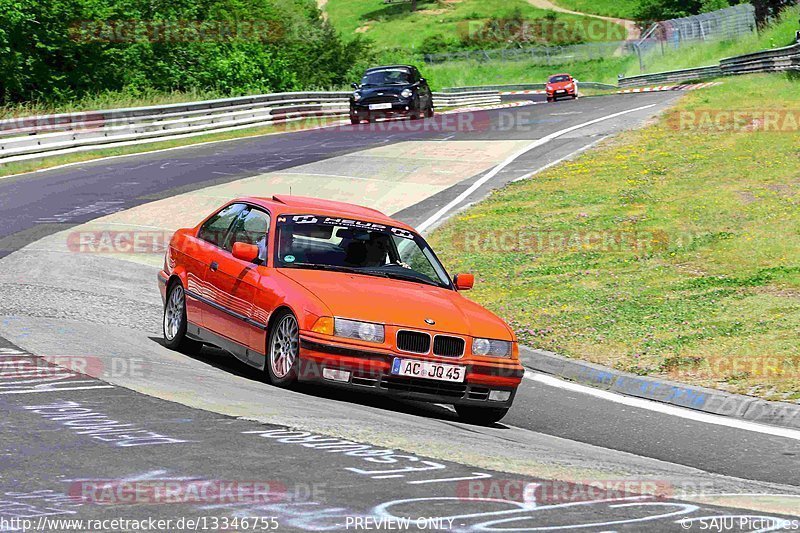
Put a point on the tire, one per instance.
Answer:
(429, 112)
(354, 121)
(550, 100)
(283, 350)
(482, 416)
(174, 322)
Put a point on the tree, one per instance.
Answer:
(767, 9)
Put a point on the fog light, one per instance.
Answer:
(336, 375)
(499, 396)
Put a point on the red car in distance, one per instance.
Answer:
(561, 86)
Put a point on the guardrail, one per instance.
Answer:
(673, 76)
(38, 137)
(773, 60)
(524, 87)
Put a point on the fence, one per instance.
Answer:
(774, 60)
(44, 136)
(729, 23)
(541, 55)
(724, 24)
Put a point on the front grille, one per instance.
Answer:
(378, 100)
(413, 341)
(424, 386)
(444, 346)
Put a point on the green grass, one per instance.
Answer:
(468, 73)
(107, 100)
(779, 34)
(625, 9)
(393, 26)
(664, 252)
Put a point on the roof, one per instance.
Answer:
(389, 66)
(304, 205)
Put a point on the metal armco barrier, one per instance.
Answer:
(774, 60)
(523, 87)
(43, 136)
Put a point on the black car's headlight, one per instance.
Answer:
(491, 348)
(354, 329)
(356, 96)
(407, 93)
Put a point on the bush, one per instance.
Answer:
(59, 50)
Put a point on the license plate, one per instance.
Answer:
(374, 107)
(428, 370)
(561, 91)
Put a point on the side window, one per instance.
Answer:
(216, 228)
(251, 227)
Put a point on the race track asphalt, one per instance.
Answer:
(55, 303)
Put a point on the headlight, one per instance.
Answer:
(549, 87)
(491, 347)
(407, 93)
(356, 96)
(353, 329)
(569, 86)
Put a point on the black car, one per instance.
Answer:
(397, 90)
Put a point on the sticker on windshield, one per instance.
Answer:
(289, 259)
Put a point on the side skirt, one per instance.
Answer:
(242, 353)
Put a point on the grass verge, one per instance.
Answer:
(669, 251)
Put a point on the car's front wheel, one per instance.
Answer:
(175, 322)
(283, 350)
(484, 416)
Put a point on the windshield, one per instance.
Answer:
(387, 77)
(344, 245)
(559, 79)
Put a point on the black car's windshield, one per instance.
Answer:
(387, 77)
(352, 246)
(559, 79)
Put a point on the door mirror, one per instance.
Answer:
(245, 252)
(354, 85)
(464, 282)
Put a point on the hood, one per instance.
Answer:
(560, 84)
(399, 303)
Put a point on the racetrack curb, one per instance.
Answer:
(664, 391)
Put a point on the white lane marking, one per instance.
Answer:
(513, 157)
(662, 408)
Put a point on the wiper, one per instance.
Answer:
(334, 268)
(317, 266)
(407, 277)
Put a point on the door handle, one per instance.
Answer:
(214, 266)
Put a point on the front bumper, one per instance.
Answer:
(370, 371)
(561, 93)
(399, 108)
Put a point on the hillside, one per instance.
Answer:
(395, 26)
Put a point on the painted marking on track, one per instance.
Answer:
(499, 168)
(671, 410)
